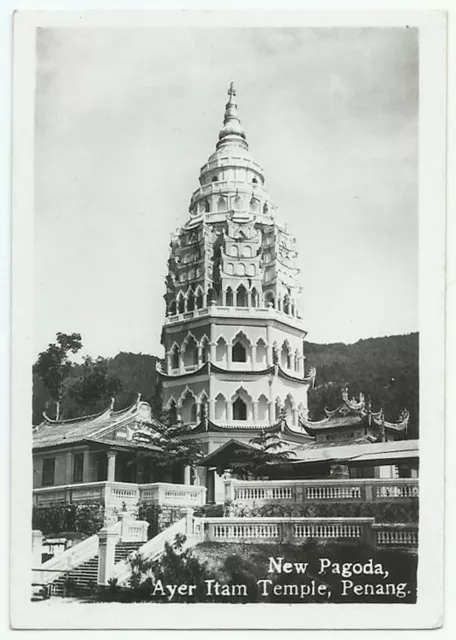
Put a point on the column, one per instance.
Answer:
(223, 298)
(271, 415)
(253, 351)
(187, 478)
(106, 554)
(229, 353)
(269, 355)
(69, 468)
(211, 404)
(229, 411)
(111, 466)
(200, 355)
(37, 548)
(301, 365)
(181, 361)
(86, 476)
(168, 362)
(255, 410)
(213, 351)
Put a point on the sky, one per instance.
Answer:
(125, 118)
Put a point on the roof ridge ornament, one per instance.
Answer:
(231, 122)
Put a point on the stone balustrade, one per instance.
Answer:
(179, 495)
(291, 530)
(121, 495)
(215, 310)
(259, 492)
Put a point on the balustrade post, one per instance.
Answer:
(299, 494)
(106, 554)
(368, 493)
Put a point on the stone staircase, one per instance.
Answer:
(84, 577)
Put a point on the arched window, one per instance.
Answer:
(181, 304)
(191, 352)
(285, 357)
(199, 299)
(220, 352)
(230, 268)
(239, 353)
(254, 181)
(172, 308)
(241, 296)
(240, 269)
(278, 409)
(207, 206)
(263, 408)
(222, 204)
(172, 411)
(188, 410)
(250, 269)
(261, 352)
(229, 297)
(215, 179)
(289, 410)
(204, 349)
(220, 407)
(254, 297)
(247, 251)
(235, 250)
(254, 205)
(269, 299)
(210, 295)
(175, 357)
(190, 301)
(265, 208)
(239, 409)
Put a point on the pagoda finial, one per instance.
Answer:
(231, 91)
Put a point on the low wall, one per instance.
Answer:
(259, 492)
(301, 530)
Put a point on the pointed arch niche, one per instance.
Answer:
(261, 354)
(241, 348)
(220, 408)
(220, 351)
(190, 355)
(188, 408)
(241, 404)
(263, 413)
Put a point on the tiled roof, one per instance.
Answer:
(357, 450)
(51, 433)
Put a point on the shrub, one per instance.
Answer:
(83, 518)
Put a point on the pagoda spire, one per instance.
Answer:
(231, 122)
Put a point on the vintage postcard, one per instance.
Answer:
(228, 320)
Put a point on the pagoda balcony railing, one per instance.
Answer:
(259, 492)
(241, 186)
(214, 310)
(231, 161)
(120, 495)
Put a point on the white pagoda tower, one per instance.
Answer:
(233, 335)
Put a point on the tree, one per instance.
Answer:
(95, 387)
(53, 366)
(268, 453)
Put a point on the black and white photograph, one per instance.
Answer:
(232, 280)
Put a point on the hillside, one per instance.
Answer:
(386, 369)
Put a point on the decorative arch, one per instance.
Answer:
(263, 406)
(261, 352)
(285, 355)
(241, 404)
(220, 407)
(190, 350)
(250, 270)
(180, 302)
(247, 251)
(230, 268)
(188, 407)
(204, 346)
(269, 299)
(199, 297)
(240, 347)
(190, 300)
(240, 269)
(229, 297)
(234, 251)
(222, 204)
(242, 299)
(220, 350)
(175, 356)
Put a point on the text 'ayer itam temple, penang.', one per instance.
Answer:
(234, 369)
